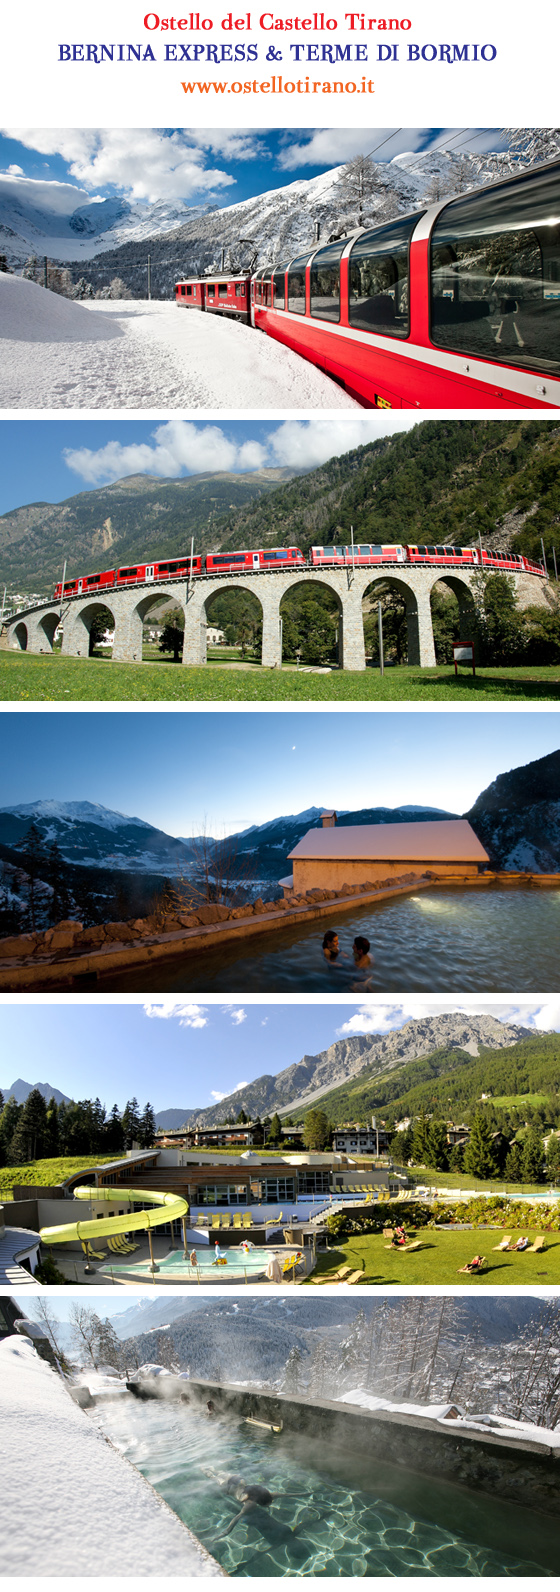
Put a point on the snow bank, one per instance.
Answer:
(29, 313)
(134, 355)
(70, 1504)
(503, 1426)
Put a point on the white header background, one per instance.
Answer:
(520, 86)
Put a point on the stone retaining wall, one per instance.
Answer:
(521, 1471)
(68, 951)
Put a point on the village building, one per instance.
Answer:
(332, 857)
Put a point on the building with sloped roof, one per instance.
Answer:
(329, 858)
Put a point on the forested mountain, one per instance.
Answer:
(446, 480)
(518, 817)
(127, 520)
(451, 1082)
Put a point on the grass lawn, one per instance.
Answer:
(442, 1254)
(48, 1172)
(28, 677)
(461, 1180)
(521, 1100)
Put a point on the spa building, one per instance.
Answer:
(333, 856)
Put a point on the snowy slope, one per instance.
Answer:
(96, 837)
(70, 1504)
(38, 218)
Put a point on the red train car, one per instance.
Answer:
(217, 295)
(453, 307)
(189, 293)
(254, 559)
(389, 553)
(130, 575)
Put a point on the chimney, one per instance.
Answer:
(328, 819)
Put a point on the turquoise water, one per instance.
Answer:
(253, 1263)
(440, 940)
(331, 1517)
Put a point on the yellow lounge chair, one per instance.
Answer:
(226, 1220)
(215, 1221)
(536, 1247)
(506, 1240)
(247, 1220)
(201, 1220)
(237, 1221)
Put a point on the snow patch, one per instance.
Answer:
(504, 1426)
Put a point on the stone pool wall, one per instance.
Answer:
(521, 1472)
(68, 953)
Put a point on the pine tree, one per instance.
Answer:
(34, 861)
(479, 1158)
(532, 1157)
(275, 1130)
(553, 1158)
(31, 1135)
(131, 1123)
(419, 1140)
(293, 1372)
(437, 1148)
(56, 874)
(113, 1135)
(513, 1169)
(147, 1127)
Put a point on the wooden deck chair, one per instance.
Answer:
(337, 1276)
(504, 1243)
(534, 1248)
(388, 1232)
(238, 1220)
(417, 1244)
(355, 1276)
(478, 1271)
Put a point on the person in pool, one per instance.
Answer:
(193, 1257)
(360, 952)
(331, 948)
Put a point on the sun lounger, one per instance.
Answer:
(226, 1220)
(355, 1276)
(337, 1276)
(506, 1240)
(201, 1220)
(247, 1220)
(388, 1232)
(478, 1269)
(215, 1221)
(536, 1247)
(237, 1222)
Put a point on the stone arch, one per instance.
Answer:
(302, 578)
(19, 637)
(462, 591)
(202, 592)
(78, 622)
(418, 642)
(46, 628)
(139, 613)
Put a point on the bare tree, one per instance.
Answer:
(220, 873)
(87, 1328)
(357, 184)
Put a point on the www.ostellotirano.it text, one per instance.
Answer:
(281, 85)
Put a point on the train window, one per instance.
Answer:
(124, 572)
(495, 273)
(222, 290)
(188, 290)
(296, 285)
(441, 551)
(378, 279)
(324, 280)
(240, 290)
(210, 289)
(279, 285)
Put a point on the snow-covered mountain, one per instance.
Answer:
(518, 817)
(276, 223)
(28, 224)
(96, 837)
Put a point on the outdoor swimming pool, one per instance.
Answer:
(333, 1516)
(443, 940)
(252, 1264)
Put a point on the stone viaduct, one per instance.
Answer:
(33, 629)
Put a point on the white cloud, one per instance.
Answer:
(238, 1016)
(383, 1018)
(188, 1016)
(180, 447)
(243, 1085)
(217, 1094)
(143, 163)
(223, 1094)
(57, 198)
(331, 146)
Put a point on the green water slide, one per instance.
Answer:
(169, 1208)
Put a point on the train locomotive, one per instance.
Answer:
(456, 306)
(271, 559)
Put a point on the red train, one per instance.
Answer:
(252, 560)
(453, 307)
(219, 295)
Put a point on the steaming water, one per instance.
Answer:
(331, 1518)
(448, 940)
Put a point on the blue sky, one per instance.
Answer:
(50, 460)
(187, 1054)
(179, 770)
(204, 166)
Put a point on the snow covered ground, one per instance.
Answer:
(71, 1505)
(499, 1425)
(127, 353)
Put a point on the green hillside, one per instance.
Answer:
(451, 1083)
(445, 480)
